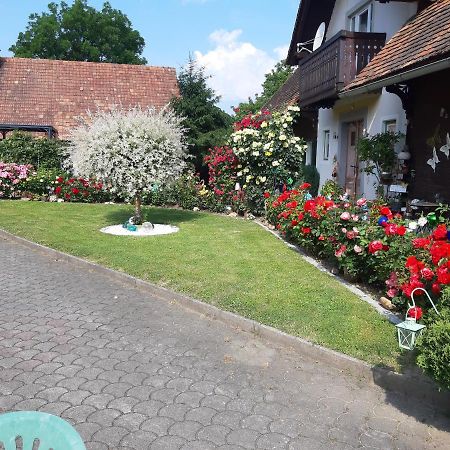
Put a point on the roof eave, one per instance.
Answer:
(404, 76)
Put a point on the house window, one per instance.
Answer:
(326, 145)
(361, 20)
(390, 126)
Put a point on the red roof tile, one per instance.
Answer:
(51, 92)
(287, 95)
(424, 39)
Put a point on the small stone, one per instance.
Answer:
(386, 303)
(148, 226)
(196, 208)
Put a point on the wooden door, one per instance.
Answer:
(352, 167)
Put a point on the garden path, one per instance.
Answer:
(133, 372)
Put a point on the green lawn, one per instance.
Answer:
(231, 263)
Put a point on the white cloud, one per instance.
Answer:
(281, 52)
(237, 67)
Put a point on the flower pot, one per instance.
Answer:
(386, 178)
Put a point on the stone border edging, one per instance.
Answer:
(414, 385)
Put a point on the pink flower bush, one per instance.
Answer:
(11, 176)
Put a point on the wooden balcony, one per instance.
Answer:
(333, 65)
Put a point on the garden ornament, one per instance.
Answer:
(445, 149)
(409, 330)
(433, 160)
(382, 221)
(46, 430)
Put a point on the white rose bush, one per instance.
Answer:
(130, 151)
(268, 151)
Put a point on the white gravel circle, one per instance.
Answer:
(141, 231)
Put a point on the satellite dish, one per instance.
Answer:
(320, 36)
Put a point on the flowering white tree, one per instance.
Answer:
(130, 150)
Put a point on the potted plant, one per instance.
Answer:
(378, 152)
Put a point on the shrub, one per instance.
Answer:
(12, 177)
(269, 154)
(23, 148)
(41, 183)
(378, 152)
(332, 190)
(311, 176)
(433, 347)
(72, 189)
(222, 163)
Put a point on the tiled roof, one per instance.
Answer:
(51, 92)
(287, 95)
(424, 39)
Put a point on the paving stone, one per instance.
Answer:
(257, 422)
(185, 429)
(272, 441)
(157, 425)
(168, 443)
(138, 440)
(131, 371)
(231, 419)
(198, 445)
(202, 415)
(245, 438)
(110, 436)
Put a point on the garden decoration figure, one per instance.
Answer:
(409, 330)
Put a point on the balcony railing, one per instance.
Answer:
(333, 65)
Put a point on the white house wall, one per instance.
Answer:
(386, 17)
(374, 110)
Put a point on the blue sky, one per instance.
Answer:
(237, 41)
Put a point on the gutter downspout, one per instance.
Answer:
(405, 76)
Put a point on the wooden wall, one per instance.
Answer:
(429, 123)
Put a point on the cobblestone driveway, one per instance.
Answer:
(133, 372)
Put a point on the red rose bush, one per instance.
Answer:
(367, 241)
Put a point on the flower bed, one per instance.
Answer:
(367, 241)
(21, 180)
(72, 189)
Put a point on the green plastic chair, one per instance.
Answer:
(50, 431)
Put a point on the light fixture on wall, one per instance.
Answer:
(335, 135)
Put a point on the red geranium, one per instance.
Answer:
(427, 273)
(375, 246)
(309, 205)
(306, 230)
(58, 190)
(401, 230)
(385, 211)
(421, 242)
(415, 312)
(305, 186)
(266, 195)
(292, 205)
(390, 229)
(436, 288)
(75, 191)
(440, 232)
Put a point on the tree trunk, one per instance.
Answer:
(137, 210)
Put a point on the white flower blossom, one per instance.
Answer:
(130, 150)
